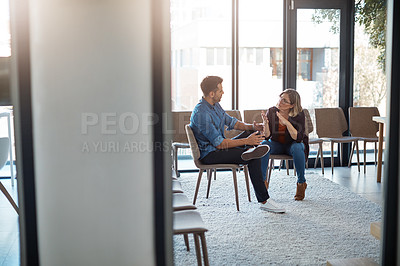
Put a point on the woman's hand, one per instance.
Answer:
(283, 120)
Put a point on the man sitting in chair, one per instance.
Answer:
(208, 122)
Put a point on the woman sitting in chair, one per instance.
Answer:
(284, 126)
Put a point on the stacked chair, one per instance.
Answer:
(187, 220)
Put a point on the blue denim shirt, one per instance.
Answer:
(208, 125)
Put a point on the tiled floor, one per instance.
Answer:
(9, 231)
(360, 183)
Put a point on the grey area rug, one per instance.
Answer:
(330, 223)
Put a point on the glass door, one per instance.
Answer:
(317, 59)
(319, 56)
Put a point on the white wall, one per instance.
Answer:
(88, 59)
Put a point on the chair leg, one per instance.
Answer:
(204, 247)
(375, 153)
(215, 174)
(175, 160)
(365, 157)
(358, 156)
(341, 153)
(8, 196)
(332, 158)
(351, 154)
(197, 185)
(316, 159)
(236, 188)
(246, 178)
(209, 178)
(197, 246)
(287, 166)
(271, 164)
(186, 238)
(322, 157)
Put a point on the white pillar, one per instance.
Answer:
(91, 95)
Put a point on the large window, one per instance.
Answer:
(5, 53)
(259, 48)
(276, 62)
(260, 53)
(304, 63)
(5, 50)
(201, 45)
(369, 76)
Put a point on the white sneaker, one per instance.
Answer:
(271, 206)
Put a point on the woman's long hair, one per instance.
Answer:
(295, 100)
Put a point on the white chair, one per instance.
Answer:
(181, 203)
(202, 167)
(176, 187)
(4, 150)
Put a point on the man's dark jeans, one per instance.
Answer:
(233, 155)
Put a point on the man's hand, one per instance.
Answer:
(265, 119)
(258, 126)
(266, 124)
(254, 139)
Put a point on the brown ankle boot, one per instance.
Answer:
(300, 191)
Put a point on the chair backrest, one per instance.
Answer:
(4, 150)
(194, 147)
(361, 124)
(234, 113)
(180, 119)
(252, 115)
(330, 122)
(232, 133)
(309, 125)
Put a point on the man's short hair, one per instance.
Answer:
(210, 84)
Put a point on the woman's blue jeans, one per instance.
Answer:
(295, 149)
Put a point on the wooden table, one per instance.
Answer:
(375, 230)
(381, 121)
